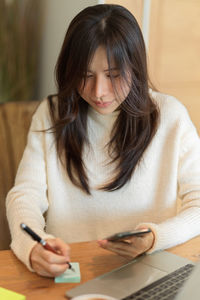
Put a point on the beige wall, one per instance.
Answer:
(174, 50)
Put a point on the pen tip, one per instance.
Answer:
(70, 267)
(22, 225)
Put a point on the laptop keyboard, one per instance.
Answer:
(165, 288)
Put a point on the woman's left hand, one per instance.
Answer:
(130, 248)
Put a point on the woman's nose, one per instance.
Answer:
(101, 87)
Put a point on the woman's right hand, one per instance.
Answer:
(47, 263)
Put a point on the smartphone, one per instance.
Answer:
(120, 236)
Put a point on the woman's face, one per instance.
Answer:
(98, 90)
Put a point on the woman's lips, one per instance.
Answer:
(103, 104)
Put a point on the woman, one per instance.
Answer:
(105, 154)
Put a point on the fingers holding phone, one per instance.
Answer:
(129, 244)
(126, 235)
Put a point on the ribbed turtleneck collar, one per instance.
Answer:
(104, 119)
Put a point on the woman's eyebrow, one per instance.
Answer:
(111, 69)
(107, 70)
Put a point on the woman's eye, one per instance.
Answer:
(113, 75)
(89, 76)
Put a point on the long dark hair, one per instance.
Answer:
(115, 28)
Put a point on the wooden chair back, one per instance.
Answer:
(15, 119)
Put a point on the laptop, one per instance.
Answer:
(137, 278)
(191, 287)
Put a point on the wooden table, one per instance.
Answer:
(93, 260)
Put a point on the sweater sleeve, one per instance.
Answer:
(186, 224)
(27, 201)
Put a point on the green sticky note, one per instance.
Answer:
(70, 275)
(9, 295)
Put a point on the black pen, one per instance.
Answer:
(37, 238)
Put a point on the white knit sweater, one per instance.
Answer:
(170, 167)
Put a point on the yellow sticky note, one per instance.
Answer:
(9, 295)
